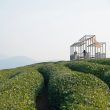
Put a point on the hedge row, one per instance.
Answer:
(101, 71)
(71, 90)
(105, 61)
(7, 74)
(19, 92)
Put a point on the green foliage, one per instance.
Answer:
(105, 61)
(74, 90)
(19, 92)
(101, 71)
(77, 85)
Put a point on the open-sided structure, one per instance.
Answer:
(88, 47)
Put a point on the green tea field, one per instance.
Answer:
(63, 85)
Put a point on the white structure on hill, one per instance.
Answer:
(88, 47)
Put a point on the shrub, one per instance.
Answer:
(19, 92)
(101, 71)
(105, 61)
(74, 90)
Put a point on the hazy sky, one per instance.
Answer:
(45, 29)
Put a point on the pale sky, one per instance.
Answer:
(45, 29)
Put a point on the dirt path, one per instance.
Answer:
(42, 100)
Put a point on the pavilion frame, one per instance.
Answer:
(93, 48)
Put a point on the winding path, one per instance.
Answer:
(42, 102)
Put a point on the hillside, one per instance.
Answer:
(63, 85)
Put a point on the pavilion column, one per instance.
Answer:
(105, 50)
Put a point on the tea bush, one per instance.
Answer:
(68, 89)
(101, 71)
(19, 92)
(71, 90)
(105, 61)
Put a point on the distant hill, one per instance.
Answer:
(15, 61)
